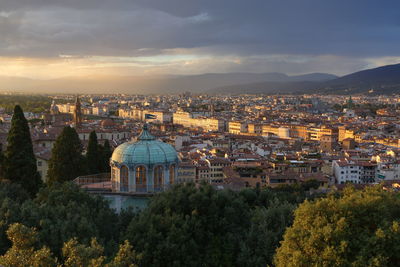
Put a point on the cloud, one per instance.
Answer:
(282, 35)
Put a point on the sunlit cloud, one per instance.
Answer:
(46, 39)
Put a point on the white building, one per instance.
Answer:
(356, 172)
(388, 171)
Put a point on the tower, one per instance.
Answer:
(212, 109)
(350, 103)
(77, 113)
(54, 109)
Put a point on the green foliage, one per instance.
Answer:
(360, 228)
(30, 103)
(310, 184)
(266, 230)
(66, 162)
(19, 164)
(189, 226)
(97, 155)
(13, 191)
(106, 153)
(63, 212)
(76, 255)
(11, 198)
(126, 256)
(185, 226)
(23, 252)
(93, 157)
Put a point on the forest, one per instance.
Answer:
(200, 226)
(30, 103)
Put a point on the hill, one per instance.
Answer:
(149, 84)
(381, 80)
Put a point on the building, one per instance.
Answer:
(345, 133)
(281, 132)
(140, 114)
(191, 120)
(237, 127)
(186, 173)
(100, 110)
(352, 171)
(216, 166)
(77, 113)
(144, 166)
(328, 143)
(43, 156)
(55, 115)
(348, 144)
(255, 128)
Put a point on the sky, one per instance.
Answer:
(46, 39)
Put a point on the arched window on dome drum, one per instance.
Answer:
(171, 174)
(124, 177)
(158, 178)
(141, 180)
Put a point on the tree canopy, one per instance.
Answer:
(197, 225)
(24, 252)
(359, 228)
(60, 213)
(93, 157)
(66, 162)
(19, 164)
(189, 226)
(105, 152)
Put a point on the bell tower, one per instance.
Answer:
(77, 112)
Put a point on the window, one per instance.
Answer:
(141, 180)
(124, 177)
(158, 177)
(39, 163)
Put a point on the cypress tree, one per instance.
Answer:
(106, 155)
(19, 164)
(93, 157)
(66, 162)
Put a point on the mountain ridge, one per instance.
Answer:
(148, 84)
(380, 80)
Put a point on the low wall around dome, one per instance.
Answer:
(120, 202)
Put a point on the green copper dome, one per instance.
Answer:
(145, 151)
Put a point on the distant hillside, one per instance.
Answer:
(312, 77)
(382, 80)
(150, 84)
(267, 88)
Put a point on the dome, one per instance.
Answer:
(107, 123)
(145, 151)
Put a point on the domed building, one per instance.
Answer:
(144, 166)
(107, 123)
